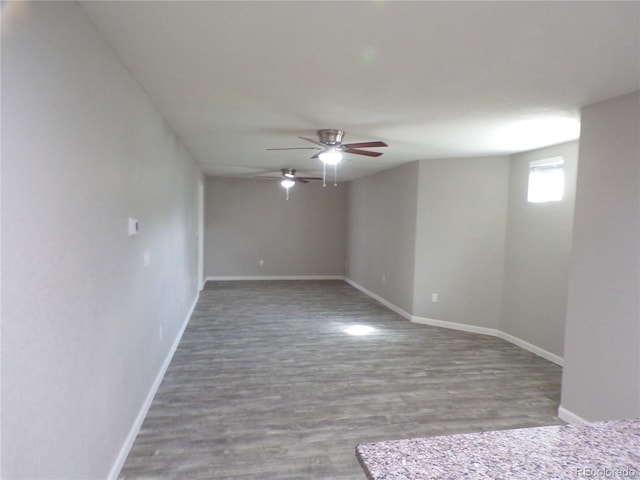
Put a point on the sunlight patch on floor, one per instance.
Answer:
(359, 330)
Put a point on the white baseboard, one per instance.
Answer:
(541, 352)
(570, 417)
(379, 299)
(274, 277)
(144, 409)
(552, 357)
(455, 326)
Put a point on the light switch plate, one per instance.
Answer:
(133, 226)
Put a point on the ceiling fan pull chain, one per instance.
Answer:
(335, 175)
(324, 174)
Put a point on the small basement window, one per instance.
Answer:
(546, 180)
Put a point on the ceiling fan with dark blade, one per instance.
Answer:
(290, 174)
(289, 178)
(331, 148)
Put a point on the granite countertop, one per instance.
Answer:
(599, 450)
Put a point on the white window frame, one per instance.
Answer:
(546, 180)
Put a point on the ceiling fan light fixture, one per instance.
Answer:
(331, 156)
(287, 183)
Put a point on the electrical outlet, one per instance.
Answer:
(434, 297)
(384, 278)
(261, 262)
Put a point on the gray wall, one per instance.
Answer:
(498, 264)
(86, 326)
(381, 233)
(460, 240)
(248, 220)
(538, 250)
(601, 378)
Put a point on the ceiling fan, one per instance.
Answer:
(289, 176)
(289, 179)
(331, 148)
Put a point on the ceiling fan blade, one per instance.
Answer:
(365, 144)
(363, 152)
(307, 179)
(317, 155)
(295, 148)
(313, 141)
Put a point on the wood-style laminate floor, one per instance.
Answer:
(266, 384)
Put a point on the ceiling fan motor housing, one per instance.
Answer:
(330, 136)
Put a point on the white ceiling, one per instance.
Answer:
(432, 79)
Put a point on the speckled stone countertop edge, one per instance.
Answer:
(608, 449)
(365, 469)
